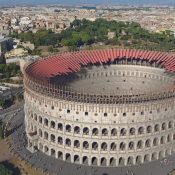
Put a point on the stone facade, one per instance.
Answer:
(100, 134)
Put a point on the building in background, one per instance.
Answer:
(6, 44)
(2, 58)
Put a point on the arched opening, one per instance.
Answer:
(104, 132)
(46, 150)
(130, 160)
(40, 146)
(123, 132)
(77, 130)
(168, 138)
(113, 146)
(162, 140)
(86, 131)
(40, 120)
(31, 116)
(94, 161)
(35, 117)
(148, 143)
(163, 126)
(173, 136)
(146, 158)
(46, 122)
(85, 160)
(154, 156)
(112, 161)
(103, 161)
(132, 131)
(140, 144)
(60, 126)
(104, 146)
(46, 136)
(138, 160)
(40, 133)
(68, 128)
(114, 132)
(156, 128)
(60, 155)
(76, 159)
(85, 145)
(167, 152)
(95, 132)
(68, 142)
(131, 145)
(76, 144)
(170, 125)
(52, 138)
(60, 140)
(155, 142)
(68, 157)
(52, 152)
(149, 129)
(141, 130)
(121, 161)
(122, 146)
(161, 155)
(52, 124)
(170, 151)
(94, 146)
(35, 129)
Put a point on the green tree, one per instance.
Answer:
(1, 130)
(50, 49)
(4, 170)
(2, 103)
(85, 32)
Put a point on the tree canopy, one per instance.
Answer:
(9, 70)
(85, 32)
(4, 170)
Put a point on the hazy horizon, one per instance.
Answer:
(129, 2)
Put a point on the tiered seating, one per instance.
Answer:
(66, 63)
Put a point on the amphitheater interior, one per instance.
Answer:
(102, 108)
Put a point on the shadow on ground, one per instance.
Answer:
(11, 167)
(13, 130)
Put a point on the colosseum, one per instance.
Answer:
(102, 107)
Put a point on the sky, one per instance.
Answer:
(145, 2)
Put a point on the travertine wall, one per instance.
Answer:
(103, 136)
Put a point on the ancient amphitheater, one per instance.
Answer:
(102, 107)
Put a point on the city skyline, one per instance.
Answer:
(129, 2)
